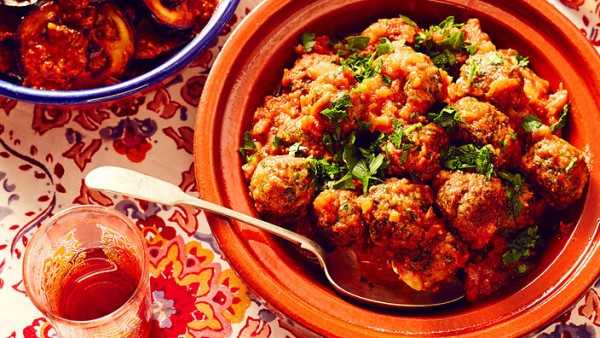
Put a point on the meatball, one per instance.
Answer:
(401, 28)
(474, 36)
(432, 264)
(399, 214)
(487, 274)
(408, 85)
(559, 169)
(282, 186)
(482, 123)
(308, 68)
(474, 205)
(494, 76)
(339, 217)
(417, 152)
(423, 83)
(542, 103)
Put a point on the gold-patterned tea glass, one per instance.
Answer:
(57, 249)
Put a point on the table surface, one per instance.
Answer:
(45, 152)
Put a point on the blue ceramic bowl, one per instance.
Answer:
(209, 33)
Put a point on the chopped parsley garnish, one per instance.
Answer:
(571, 165)
(358, 158)
(442, 51)
(397, 135)
(468, 156)
(531, 123)
(455, 40)
(248, 147)
(562, 120)
(323, 170)
(328, 142)
(384, 47)
(446, 118)
(444, 58)
(357, 42)
(338, 109)
(308, 41)
(472, 71)
(400, 140)
(521, 247)
(513, 191)
(362, 66)
(522, 61)
(496, 59)
(294, 149)
(387, 80)
(366, 170)
(471, 48)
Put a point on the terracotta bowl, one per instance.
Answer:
(250, 67)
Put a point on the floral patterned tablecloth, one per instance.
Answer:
(45, 153)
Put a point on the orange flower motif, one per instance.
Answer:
(179, 270)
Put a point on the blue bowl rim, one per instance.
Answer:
(220, 17)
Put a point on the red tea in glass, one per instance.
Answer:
(86, 269)
(97, 286)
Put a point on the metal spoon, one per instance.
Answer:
(341, 267)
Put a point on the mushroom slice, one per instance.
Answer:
(179, 14)
(111, 43)
(152, 41)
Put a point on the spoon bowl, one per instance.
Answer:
(342, 268)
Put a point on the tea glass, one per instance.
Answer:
(56, 249)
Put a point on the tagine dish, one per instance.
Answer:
(66, 44)
(430, 152)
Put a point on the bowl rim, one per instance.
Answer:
(563, 294)
(209, 32)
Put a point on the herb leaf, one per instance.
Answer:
(357, 42)
(531, 123)
(384, 47)
(562, 120)
(471, 48)
(472, 71)
(397, 135)
(441, 42)
(522, 61)
(513, 192)
(323, 170)
(294, 149)
(308, 41)
(455, 40)
(338, 109)
(496, 59)
(362, 66)
(248, 147)
(366, 170)
(468, 156)
(521, 247)
(571, 165)
(444, 59)
(446, 118)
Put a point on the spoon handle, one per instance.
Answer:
(135, 184)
